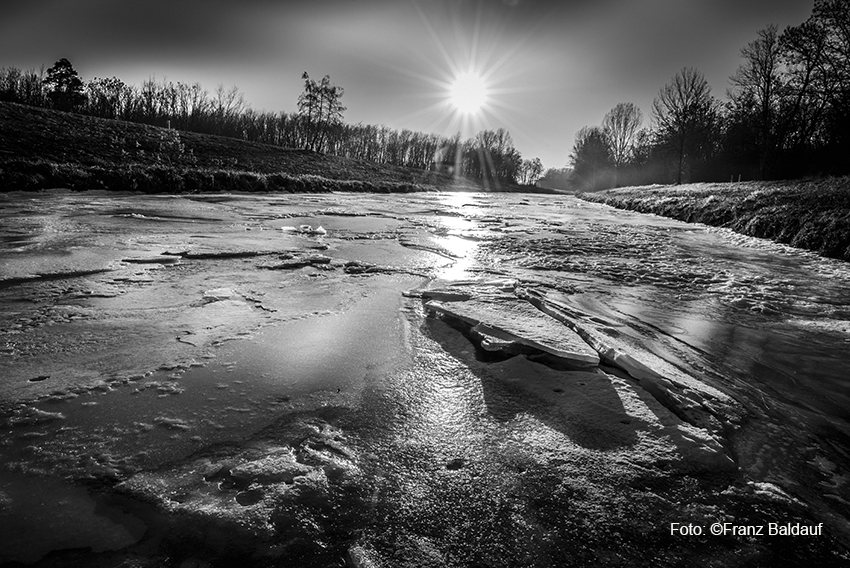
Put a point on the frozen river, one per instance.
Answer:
(417, 380)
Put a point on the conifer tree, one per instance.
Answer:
(64, 86)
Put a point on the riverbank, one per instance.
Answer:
(810, 214)
(45, 149)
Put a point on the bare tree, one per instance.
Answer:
(105, 96)
(10, 79)
(816, 62)
(22, 87)
(620, 126)
(591, 157)
(227, 106)
(685, 116)
(834, 17)
(308, 109)
(530, 171)
(757, 88)
(320, 107)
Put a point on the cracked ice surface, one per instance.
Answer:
(441, 380)
(519, 322)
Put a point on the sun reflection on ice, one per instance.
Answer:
(456, 200)
(455, 238)
(464, 250)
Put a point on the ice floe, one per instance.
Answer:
(516, 321)
(511, 319)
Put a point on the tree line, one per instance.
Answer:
(787, 115)
(317, 125)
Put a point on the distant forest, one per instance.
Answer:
(786, 115)
(317, 125)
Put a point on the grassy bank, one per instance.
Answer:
(33, 175)
(42, 149)
(813, 215)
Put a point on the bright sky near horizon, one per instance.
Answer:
(550, 67)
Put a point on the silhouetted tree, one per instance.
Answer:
(620, 126)
(22, 87)
(756, 95)
(491, 157)
(10, 78)
(816, 106)
(227, 105)
(530, 171)
(64, 86)
(106, 97)
(685, 117)
(591, 158)
(321, 107)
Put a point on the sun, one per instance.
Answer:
(468, 93)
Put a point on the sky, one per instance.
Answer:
(549, 67)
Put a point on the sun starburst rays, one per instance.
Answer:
(471, 80)
(468, 93)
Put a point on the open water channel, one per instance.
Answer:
(419, 380)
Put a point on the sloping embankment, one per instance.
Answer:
(813, 215)
(43, 149)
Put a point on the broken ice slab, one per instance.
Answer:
(493, 340)
(519, 322)
(290, 262)
(151, 259)
(450, 294)
(687, 396)
(462, 290)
